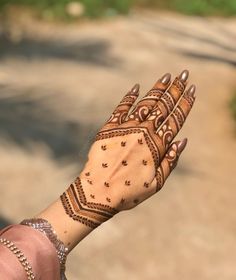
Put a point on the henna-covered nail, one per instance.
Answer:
(191, 91)
(135, 89)
(184, 76)
(182, 144)
(166, 78)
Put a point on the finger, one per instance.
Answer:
(176, 119)
(122, 110)
(168, 100)
(168, 163)
(148, 102)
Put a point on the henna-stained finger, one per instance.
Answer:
(169, 129)
(148, 102)
(168, 163)
(120, 113)
(168, 100)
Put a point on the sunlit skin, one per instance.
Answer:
(129, 161)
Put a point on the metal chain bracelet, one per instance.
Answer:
(46, 228)
(20, 256)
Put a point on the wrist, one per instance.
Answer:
(70, 232)
(46, 228)
(87, 204)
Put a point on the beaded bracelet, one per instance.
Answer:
(45, 227)
(22, 259)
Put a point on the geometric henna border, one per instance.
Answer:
(107, 210)
(69, 211)
(74, 204)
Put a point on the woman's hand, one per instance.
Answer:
(133, 154)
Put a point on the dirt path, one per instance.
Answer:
(59, 84)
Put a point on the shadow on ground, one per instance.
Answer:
(24, 120)
(4, 222)
(90, 51)
(227, 51)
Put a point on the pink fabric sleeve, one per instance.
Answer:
(36, 247)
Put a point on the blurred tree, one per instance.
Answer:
(194, 7)
(102, 8)
(58, 8)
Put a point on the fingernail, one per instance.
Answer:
(191, 91)
(184, 76)
(166, 78)
(182, 145)
(135, 89)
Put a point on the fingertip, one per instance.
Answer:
(184, 75)
(182, 144)
(192, 90)
(135, 89)
(165, 79)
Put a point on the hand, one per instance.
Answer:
(133, 154)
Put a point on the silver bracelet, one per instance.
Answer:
(45, 227)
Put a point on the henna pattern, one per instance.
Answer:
(133, 130)
(166, 135)
(179, 117)
(156, 118)
(140, 141)
(78, 208)
(166, 103)
(122, 110)
(127, 183)
(172, 157)
(132, 155)
(123, 144)
(148, 102)
(159, 179)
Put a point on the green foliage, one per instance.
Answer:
(195, 7)
(106, 8)
(57, 8)
(233, 105)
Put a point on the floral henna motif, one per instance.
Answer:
(169, 163)
(77, 200)
(169, 129)
(130, 161)
(166, 135)
(148, 102)
(166, 103)
(122, 110)
(133, 130)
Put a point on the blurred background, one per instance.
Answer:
(64, 65)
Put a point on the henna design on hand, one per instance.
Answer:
(79, 209)
(133, 154)
(144, 162)
(146, 105)
(104, 147)
(169, 163)
(122, 110)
